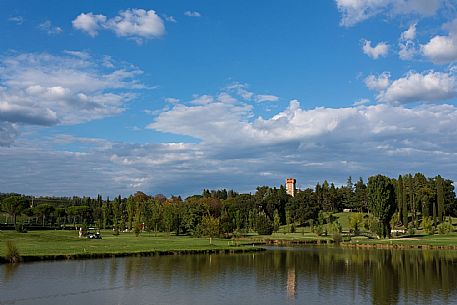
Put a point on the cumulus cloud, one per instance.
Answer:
(89, 23)
(442, 49)
(355, 11)
(379, 82)
(45, 90)
(410, 33)
(136, 24)
(406, 44)
(381, 49)
(48, 28)
(192, 14)
(414, 87)
(238, 150)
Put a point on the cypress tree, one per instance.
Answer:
(440, 197)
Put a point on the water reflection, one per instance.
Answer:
(281, 276)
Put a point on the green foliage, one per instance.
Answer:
(12, 252)
(209, 226)
(20, 228)
(13, 205)
(445, 228)
(375, 226)
(320, 230)
(276, 221)
(411, 230)
(381, 201)
(427, 225)
(337, 237)
(137, 229)
(355, 223)
(292, 228)
(335, 227)
(264, 225)
(395, 219)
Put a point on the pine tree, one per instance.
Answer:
(440, 197)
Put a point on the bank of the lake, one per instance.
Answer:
(59, 245)
(418, 241)
(63, 245)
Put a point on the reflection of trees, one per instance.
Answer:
(10, 270)
(384, 276)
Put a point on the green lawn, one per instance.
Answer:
(50, 243)
(416, 240)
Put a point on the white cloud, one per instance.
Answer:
(442, 49)
(355, 11)
(407, 50)
(192, 14)
(17, 19)
(242, 91)
(406, 43)
(234, 146)
(381, 49)
(44, 89)
(379, 82)
(416, 87)
(362, 101)
(47, 27)
(266, 98)
(202, 99)
(410, 33)
(170, 18)
(172, 100)
(89, 23)
(136, 24)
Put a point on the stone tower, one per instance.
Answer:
(290, 186)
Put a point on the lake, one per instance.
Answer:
(308, 275)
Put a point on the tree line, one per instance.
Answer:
(404, 201)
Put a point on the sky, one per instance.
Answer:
(177, 96)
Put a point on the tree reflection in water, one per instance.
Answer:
(308, 275)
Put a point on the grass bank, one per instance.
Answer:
(49, 245)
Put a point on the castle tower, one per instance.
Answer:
(290, 186)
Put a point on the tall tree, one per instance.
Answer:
(361, 198)
(440, 197)
(381, 200)
(14, 205)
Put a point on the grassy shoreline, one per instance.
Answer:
(61, 245)
(64, 245)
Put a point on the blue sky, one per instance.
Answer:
(175, 96)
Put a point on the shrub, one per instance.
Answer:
(337, 237)
(292, 228)
(335, 227)
(411, 230)
(355, 223)
(137, 229)
(12, 253)
(445, 228)
(375, 226)
(427, 225)
(320, 230)
(20, 228)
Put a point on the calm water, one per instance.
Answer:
(281, 276)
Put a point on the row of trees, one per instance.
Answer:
(226, 211)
